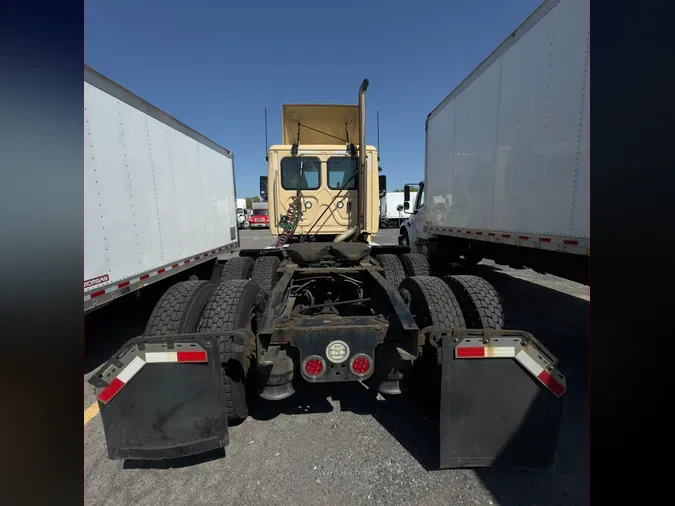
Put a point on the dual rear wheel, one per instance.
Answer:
(204, 307)
(450, 302)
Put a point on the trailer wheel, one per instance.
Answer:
(265, 273)
(230, 307)
(432, 303)
(415, 264)
(480, 302)
(237, 268)
(179, 308)
(393, 268)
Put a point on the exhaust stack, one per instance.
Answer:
(362, 158)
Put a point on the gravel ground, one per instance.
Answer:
(342, 446)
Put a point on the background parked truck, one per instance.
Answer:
(242, 219)
(391, 209)
(507, 155)
(148, 179)
(260, 215)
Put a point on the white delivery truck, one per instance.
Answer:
(391, 209)
(159, 197)
(242, 222)
(506, 172)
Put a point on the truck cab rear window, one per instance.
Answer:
(290, 173)
(340, 169)
(260, 212)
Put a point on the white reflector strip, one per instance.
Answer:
(529, 363)
(157, 357)
(130, 371)
(501, 351)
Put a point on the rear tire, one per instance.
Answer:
(179, 309)
(393, 268)
(237, 268)
(265, 273)
(231, 307)
(415, 264)
(432, 303)
(480, 302)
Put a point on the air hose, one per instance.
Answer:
(289, 222)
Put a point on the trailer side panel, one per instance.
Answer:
(156, 193)
(508, 150)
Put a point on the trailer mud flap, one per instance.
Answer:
(500, 400)
(163, 397)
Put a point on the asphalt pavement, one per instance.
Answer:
(342, 446)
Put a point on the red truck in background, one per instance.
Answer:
(260, 217)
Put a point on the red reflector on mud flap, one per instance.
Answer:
(527, 356)
(123, 377)
(143, 358)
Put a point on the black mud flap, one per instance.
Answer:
(500, 401)
(163, 397)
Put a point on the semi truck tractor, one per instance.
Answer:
(148, 179)
(507, 155)
(325, 305)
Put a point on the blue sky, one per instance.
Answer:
(217, 65)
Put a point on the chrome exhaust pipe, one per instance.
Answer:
(362, 157)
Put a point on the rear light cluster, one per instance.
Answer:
(337, 352)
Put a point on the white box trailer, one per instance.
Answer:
(389, 213)
(159, 197)
(507, 152)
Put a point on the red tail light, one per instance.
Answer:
(361, 364)
(313, 366)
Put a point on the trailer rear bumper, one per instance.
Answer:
(163, 397)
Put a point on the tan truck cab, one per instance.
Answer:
(316, 164)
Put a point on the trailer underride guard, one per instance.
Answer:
(331, 312)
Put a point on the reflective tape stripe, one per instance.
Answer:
(175, 356)
(130, 371)
(111, 391)
(485, 352)
(551, 383)
(529, 363)
(161, 356)
(477, 348)
(122, 379)
(540, 373)
(136, 280)
(191, 356)
(136, 364)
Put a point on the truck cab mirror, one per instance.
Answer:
(383, 185)
(406, 205)
(406, 195)
(263, 187)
